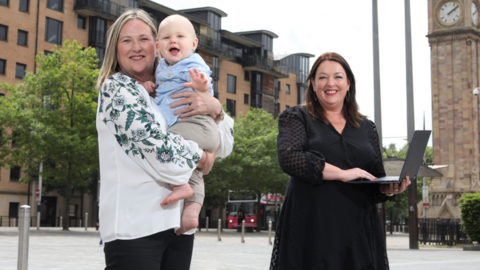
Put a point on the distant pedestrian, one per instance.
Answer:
(325, 222)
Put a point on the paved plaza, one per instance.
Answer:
(52, 249)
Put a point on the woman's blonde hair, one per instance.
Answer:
(110, 63)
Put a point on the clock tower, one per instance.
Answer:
(454, 38)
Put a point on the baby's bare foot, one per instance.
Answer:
(178, 193)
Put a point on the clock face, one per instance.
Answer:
(449, 13)
(474, 14)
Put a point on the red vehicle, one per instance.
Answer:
(245, 208)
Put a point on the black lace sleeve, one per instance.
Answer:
(294, 157)
(379, 171)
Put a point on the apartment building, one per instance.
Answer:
(245, 72)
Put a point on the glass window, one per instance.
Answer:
(73, 210)
(20, 70)
(47, 52)
(15, 174)
(13, 209)
(231, 84)
(247, 75)
(215, 88)
(231, 106)
(55, 5)
(53, 33)
(3, 32)
(81, 22)
(4, 2)
(287, 89)
(22, 37)
(24, 5)
(245, 99)
(3, 66)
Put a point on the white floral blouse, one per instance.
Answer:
(132, 128)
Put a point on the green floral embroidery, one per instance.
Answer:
(149, 138)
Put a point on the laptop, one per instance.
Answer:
(412, 163)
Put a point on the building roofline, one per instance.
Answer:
(279, 57)
(169, 11)
(266, 32)
(212, 9)
(241, 39)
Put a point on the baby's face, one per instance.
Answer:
(176, 38)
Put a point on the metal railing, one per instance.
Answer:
(101, 7)
(266, 64)
(215, 46)
(442, 232)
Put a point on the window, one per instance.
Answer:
(13, 209)
(81, 22)
(287, 89)
(22, 37)
(231, 107)
(15, 174)
(247, 76)
(231, 84)
(73, 210)
(3, 65)
(215, 88)
(3, 32)
(55, 5)
(53, 33)
(277, 109)
(20, 71)
(245, 99)
(24, 5)
(4, 2)
(47, 52)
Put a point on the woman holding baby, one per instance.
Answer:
(140, 161)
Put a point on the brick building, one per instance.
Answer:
(245, 71)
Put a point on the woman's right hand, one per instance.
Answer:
(354, 174)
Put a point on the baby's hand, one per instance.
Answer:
(150, 87)
(199, 81)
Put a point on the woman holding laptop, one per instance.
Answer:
(326, 223)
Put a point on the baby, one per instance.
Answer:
(177, 44)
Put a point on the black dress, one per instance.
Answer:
(328, 224)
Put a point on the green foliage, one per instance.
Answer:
(470, 207)
(52, 114)
(253, 165)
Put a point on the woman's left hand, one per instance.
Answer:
(396, 188)
(197, 103)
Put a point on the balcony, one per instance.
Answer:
(256, 63)
(101, 8)
(216, 47)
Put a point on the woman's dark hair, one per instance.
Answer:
(350, 106)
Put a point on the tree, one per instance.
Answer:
(52, 114)
(253, 165)
(470, 207)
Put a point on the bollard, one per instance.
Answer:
(219, 229)
(39, 215)
(61, 222)
(23, 237)
(243, 231)
(206, 225)
(80, 225)
(269, 232)
(86, 220)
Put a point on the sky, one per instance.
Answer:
(345, 27)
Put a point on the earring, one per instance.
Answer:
(347, 96)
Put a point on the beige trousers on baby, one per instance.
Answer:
(204, 131)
